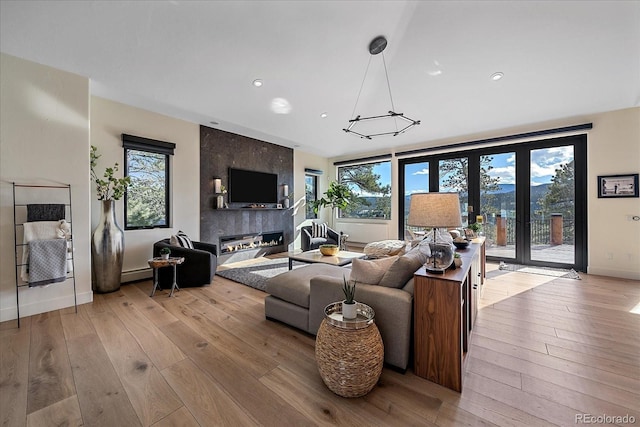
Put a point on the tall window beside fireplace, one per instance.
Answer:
(147, 198)
(310, 194)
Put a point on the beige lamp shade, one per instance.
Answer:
(435, 210)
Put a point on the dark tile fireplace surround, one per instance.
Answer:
(220, 150)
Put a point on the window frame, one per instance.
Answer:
(308, 214)
(368, 161)
(136, 143)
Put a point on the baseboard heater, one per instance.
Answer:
(135, 275)
(362, 232)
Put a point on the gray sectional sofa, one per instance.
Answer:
(298, 298)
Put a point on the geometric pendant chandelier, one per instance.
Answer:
(387, 124)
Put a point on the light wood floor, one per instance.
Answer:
(544, 349)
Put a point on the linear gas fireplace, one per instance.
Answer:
(244, 242)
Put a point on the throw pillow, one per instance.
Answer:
(181, 239)
(318, 229)
(370, 271)
(384, 248)
(402, 270)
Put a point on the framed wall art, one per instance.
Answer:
(613, 186)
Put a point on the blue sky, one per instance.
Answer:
(544, 163)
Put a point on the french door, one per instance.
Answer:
(529, 197)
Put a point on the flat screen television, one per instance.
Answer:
(247, 186)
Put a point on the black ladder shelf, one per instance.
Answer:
(19, 211)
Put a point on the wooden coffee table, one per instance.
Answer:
(314, 257)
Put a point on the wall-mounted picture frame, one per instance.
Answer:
(614, 186)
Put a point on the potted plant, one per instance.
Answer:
(349, 306)
(165, 252)
(338, 196)
(457, 260)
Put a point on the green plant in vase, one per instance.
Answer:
(337, 196)
(165, 252)
(349, 306)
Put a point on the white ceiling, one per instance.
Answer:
(197, 61)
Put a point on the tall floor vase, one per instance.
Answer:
(107, 250)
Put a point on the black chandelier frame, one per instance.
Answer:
(377, 46)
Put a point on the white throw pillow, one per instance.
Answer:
(384, 248)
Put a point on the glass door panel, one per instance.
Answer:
(454, 177)
(552, 205)
(498, 203)
(416, 180)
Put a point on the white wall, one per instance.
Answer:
(109, 120)
(44, 139)
(613, 147)
(301, 161)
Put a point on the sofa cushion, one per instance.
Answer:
(402, 270)
(370, 271)
(317, 241)
(293, 286)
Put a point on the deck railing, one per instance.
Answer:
(541, 231)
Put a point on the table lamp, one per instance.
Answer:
(436, 210)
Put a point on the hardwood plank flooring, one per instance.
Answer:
(50, 378)
(543, 350)
(101, 395)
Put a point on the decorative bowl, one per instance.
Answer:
(329, 250)
(461, 244)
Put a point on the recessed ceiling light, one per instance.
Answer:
(497, 76)
(324, 115)
(280, 106)
(257, 82)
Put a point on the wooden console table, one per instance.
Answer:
(445, 308)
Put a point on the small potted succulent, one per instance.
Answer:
(349, 306)
(165, 252)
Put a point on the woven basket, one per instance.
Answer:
(349, 360)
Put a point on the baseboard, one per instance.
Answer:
(611, 272)
(10, 313)
(135, 275)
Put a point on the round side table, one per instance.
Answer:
(349, 352)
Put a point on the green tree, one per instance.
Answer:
(310, 188)
(560, 194)
(146, 194)
(367, 186)
(456, 175)
(456, 178)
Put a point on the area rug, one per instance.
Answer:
(545, 271)
(256, 275)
